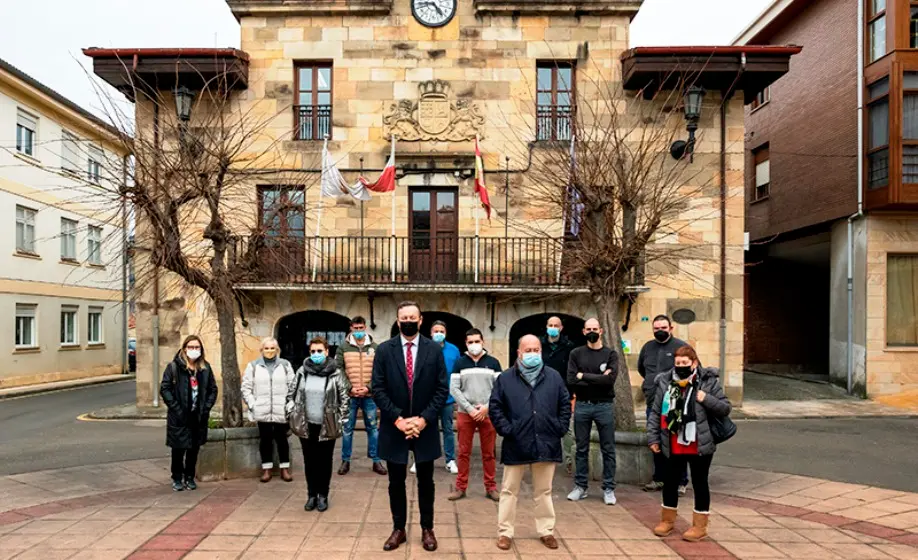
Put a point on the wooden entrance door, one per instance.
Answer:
(282, 217)
(434, 243)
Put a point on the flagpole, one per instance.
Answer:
(392, 243)
(507, 201)
(477, 207)
(566, 213)
(315, 249)
(361, 202)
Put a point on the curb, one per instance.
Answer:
(29, 390)
(903, 416)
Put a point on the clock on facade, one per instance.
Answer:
(433, 13)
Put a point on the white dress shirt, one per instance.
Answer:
(414, 350)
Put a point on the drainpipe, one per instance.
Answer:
(155, 383)
(125, 369)
(723, 233)
(860, 193)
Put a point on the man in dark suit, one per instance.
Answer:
(410, 386)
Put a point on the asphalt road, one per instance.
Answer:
(42, 431)
(875, 451)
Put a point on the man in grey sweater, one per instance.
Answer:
(470, 385)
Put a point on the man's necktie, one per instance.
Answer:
(409, 366)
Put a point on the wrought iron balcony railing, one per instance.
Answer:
(312, 122)
(554, 122)
(470, 261)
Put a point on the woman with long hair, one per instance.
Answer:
(686, 398)
(189, 391)
(318, 404)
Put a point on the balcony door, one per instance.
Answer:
(434, 227)
(283, 225)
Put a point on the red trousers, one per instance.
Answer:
(487, 435)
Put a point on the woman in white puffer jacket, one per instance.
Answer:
(264, 390)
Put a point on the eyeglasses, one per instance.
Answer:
(592, 329)
(192, 347)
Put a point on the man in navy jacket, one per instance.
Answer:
(531, 409)
(410, 386)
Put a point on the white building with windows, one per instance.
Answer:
(61, 244)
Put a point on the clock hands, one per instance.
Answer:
(435, 7)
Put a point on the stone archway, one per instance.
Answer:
(295, 331)
(535, 324)
(456, 327)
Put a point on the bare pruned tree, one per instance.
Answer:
(193, 192)
(606, 169)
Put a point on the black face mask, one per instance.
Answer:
(592, 337)
(408, 328)
(683, 371)
(661, 336)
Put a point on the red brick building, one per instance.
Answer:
(819, 195)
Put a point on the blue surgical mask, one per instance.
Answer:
(359, 335)
(532, 360)
(439, 337)
(554, 332)
(317, 359)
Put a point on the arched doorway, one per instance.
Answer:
(535, 324)
(295, 331)
(456, 327)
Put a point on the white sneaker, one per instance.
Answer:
(452, 467)
(577, 494)
(413, 469)
(608, 497)
(683, 489)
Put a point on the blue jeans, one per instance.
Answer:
(603, 415)
(659, 464)
(371, 423)
(449, 439)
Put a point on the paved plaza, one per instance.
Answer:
(127, 510)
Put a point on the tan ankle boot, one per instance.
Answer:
(667, 522)
(699, 529)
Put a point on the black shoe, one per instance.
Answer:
(177, 486)
(310, 504)
(322, 503)
(190, 484)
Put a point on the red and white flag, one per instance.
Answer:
(480, 189)
(386, 181)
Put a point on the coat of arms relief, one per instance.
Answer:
(434, 116)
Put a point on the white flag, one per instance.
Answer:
(334, 185)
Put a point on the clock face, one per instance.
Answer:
(433, 13)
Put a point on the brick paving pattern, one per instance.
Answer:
(127, 510)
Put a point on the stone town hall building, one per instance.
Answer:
(436, 74)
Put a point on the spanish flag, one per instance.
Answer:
(480, 189)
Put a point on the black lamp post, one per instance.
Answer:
(691, 108)
(184, 99)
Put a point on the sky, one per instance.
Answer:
(44, 38)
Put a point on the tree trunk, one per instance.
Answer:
(229, 363)
(610, 314)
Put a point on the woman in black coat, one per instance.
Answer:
(189, 391)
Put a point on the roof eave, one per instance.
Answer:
(17, 74)
(751, 34)
(749, 69)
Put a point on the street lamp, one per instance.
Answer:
(691, 108)
(184, 97)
